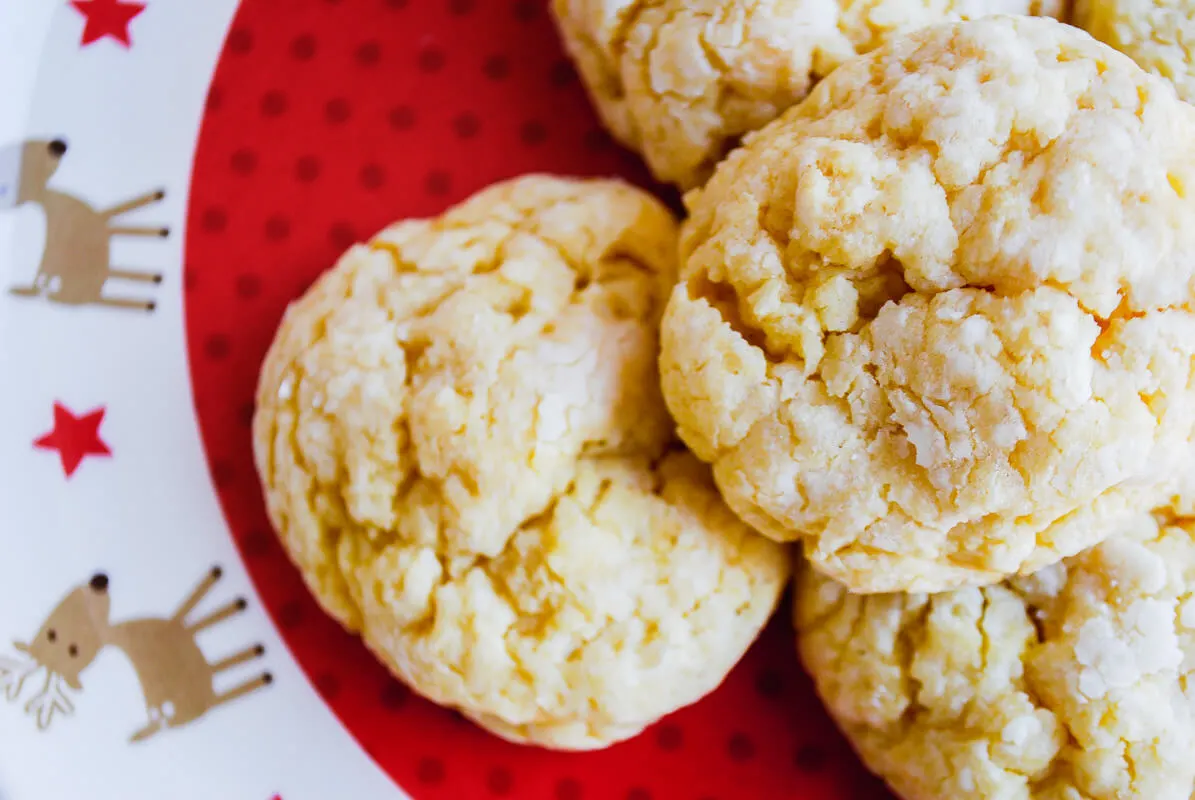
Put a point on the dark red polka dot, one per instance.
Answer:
(337, 110)
(809, 758)
(740, 748)
(274, 104)
(243, 161)
(562, 74)
(257, 544)
(638, 793)
(246, 412)
(525, 10)
(431, 59)
(303, 47)
(307, 168)
(533, 133)
(769, 683)
(214, 220)
(368, 54)
(190, 279)
(499, 781)
(402, 118)
(222, 473)
(438, 182)
(277, 228)
(466, 126)
(215, 99)
(240, 41)
(394, 695)
(373, 176)
(460, 7)
(248, 285)
(217, 346)
(496, 67)
(291, 614)
(568, 789)
(397, 5)
(342, 236)
(669, 737)
(431, 771)
(328, 685)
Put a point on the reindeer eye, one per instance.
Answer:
(51, 635)
(74, 651)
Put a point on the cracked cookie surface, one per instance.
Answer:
(1074, 682)
(936, 320)
(1158, 34)
(681, 81)
(464, 449)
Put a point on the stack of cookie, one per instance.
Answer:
(937, 323)
(933, 322)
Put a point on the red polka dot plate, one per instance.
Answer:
(171, 175)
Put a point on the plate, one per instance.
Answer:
(171, 175)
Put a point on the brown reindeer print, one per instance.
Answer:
(176, 678)
(76, 262)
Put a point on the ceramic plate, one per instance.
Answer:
(172, 173)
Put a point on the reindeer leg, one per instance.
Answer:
(238, 658)
(149, 730)
(138, 230)
(219, 615)
(197, 594)
(132, 205)
(126, 302)
(261, 681)
(134, 275)
(35, 289)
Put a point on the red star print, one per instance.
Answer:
(107, 18)
(74, 437)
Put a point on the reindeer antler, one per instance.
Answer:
(13, 674)
(52, 698)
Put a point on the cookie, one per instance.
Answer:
(464, 449)
(1070, 683)
(936, 320)
(681, 81)
(1158, 34)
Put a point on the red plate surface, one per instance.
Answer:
(326, 120)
